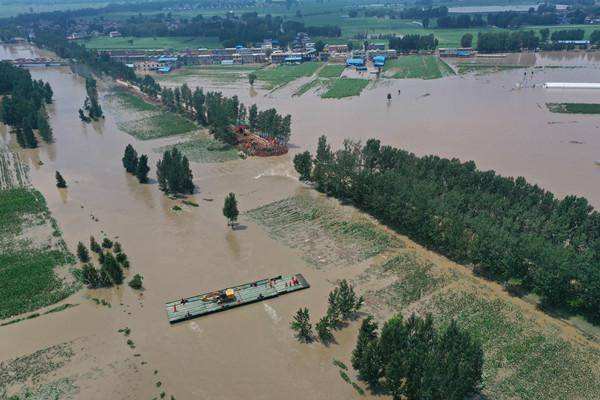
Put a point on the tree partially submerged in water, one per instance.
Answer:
(413, 360)
(82, 253)
(22, 102)
(174, 174)
(142, 169)
(60, 181)
(474, 217)
(91, 105)
(136, 282)
(130, 159)
(301, 324)
(44, 128)
(303, 164)
(230, 210)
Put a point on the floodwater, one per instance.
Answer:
(250, 351)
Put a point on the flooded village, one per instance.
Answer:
(117, 342)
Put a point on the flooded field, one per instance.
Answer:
(121, 346)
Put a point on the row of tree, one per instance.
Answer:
(134, 165)
(508, 229)
(22, 106)
(221, 113)
(413, 360)
(92, 111)
(413, 42)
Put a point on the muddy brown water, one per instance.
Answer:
(250, 351)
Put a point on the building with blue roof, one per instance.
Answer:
(355, 62)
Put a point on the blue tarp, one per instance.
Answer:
(356, 62)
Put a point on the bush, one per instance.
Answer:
(136, 282)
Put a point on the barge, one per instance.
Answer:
(224, 299)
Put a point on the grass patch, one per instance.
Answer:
(345, 87)
(331, 71)
(416, 67)
(204, 149)
(325, 235)
(340, 364)
(284, 74)
(574, 108)
(27, 266)
(133, 102)
(158, 125)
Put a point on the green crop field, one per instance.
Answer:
(158, 125)
(137, 43)
(146, 121)
(284, 74)
(331, 71)
(419, 67)
(325, 235)
(574, 108)
(133, 102)
(345, 87)
(203, 149)
(31, 253)
(527, 355)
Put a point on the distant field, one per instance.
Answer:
(284, 74)
(574, 108)
(416, 67)
(217, 73)
(137, 43)
(464, 68)
(345, 87)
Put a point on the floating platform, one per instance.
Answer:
(572, 85)
(224, 299)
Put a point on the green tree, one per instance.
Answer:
(323, 330)
(82, 253)
(107, 243)
(230, 210)
(112, 268)
(466, 40)
(142, 169)
(60, 181)
(29, 137)
(130, 159)
(595, 37)
(89, 276)
(44, 127)
(303, 165)
(544, 35)
(94, 246)
(253, 117)
(136, 282)
(367, 334)
(251, 78)
(301, 324)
